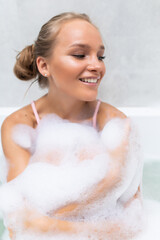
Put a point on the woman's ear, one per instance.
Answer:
(42, 66)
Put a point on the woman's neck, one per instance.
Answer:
(66, 107)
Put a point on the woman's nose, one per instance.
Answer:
(94, 64)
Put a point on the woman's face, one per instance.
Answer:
(77, 58)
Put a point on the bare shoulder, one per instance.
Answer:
(108, 112)
(23, 116)
(111, 111)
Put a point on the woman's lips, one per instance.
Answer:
(92, 81)
(90, 84)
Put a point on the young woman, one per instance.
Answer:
(67, 58)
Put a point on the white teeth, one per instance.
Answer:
(89, 80)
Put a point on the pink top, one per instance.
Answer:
(94, 115)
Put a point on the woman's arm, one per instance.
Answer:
(101, 229)
(32, 219)
(16, 156)
(117, 161)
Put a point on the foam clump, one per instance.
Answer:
(68, 164)
(113, 133)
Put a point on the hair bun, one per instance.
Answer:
(25, 66)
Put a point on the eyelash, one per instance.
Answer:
(82, 56)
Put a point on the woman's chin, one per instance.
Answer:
(90, 98)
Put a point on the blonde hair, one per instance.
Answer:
(25, 67)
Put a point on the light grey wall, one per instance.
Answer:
(131, 32)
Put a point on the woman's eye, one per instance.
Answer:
(101, 58)
(79, 55)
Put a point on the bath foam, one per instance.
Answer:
(68, 161)
(38, 180)
(151, 208)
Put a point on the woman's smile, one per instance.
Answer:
(89, 81)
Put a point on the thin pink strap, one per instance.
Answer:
(35, 112)
(95, 113)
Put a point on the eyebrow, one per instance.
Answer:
(84, 46)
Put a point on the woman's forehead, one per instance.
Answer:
(78, 31)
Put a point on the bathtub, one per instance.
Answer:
(148, 123)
